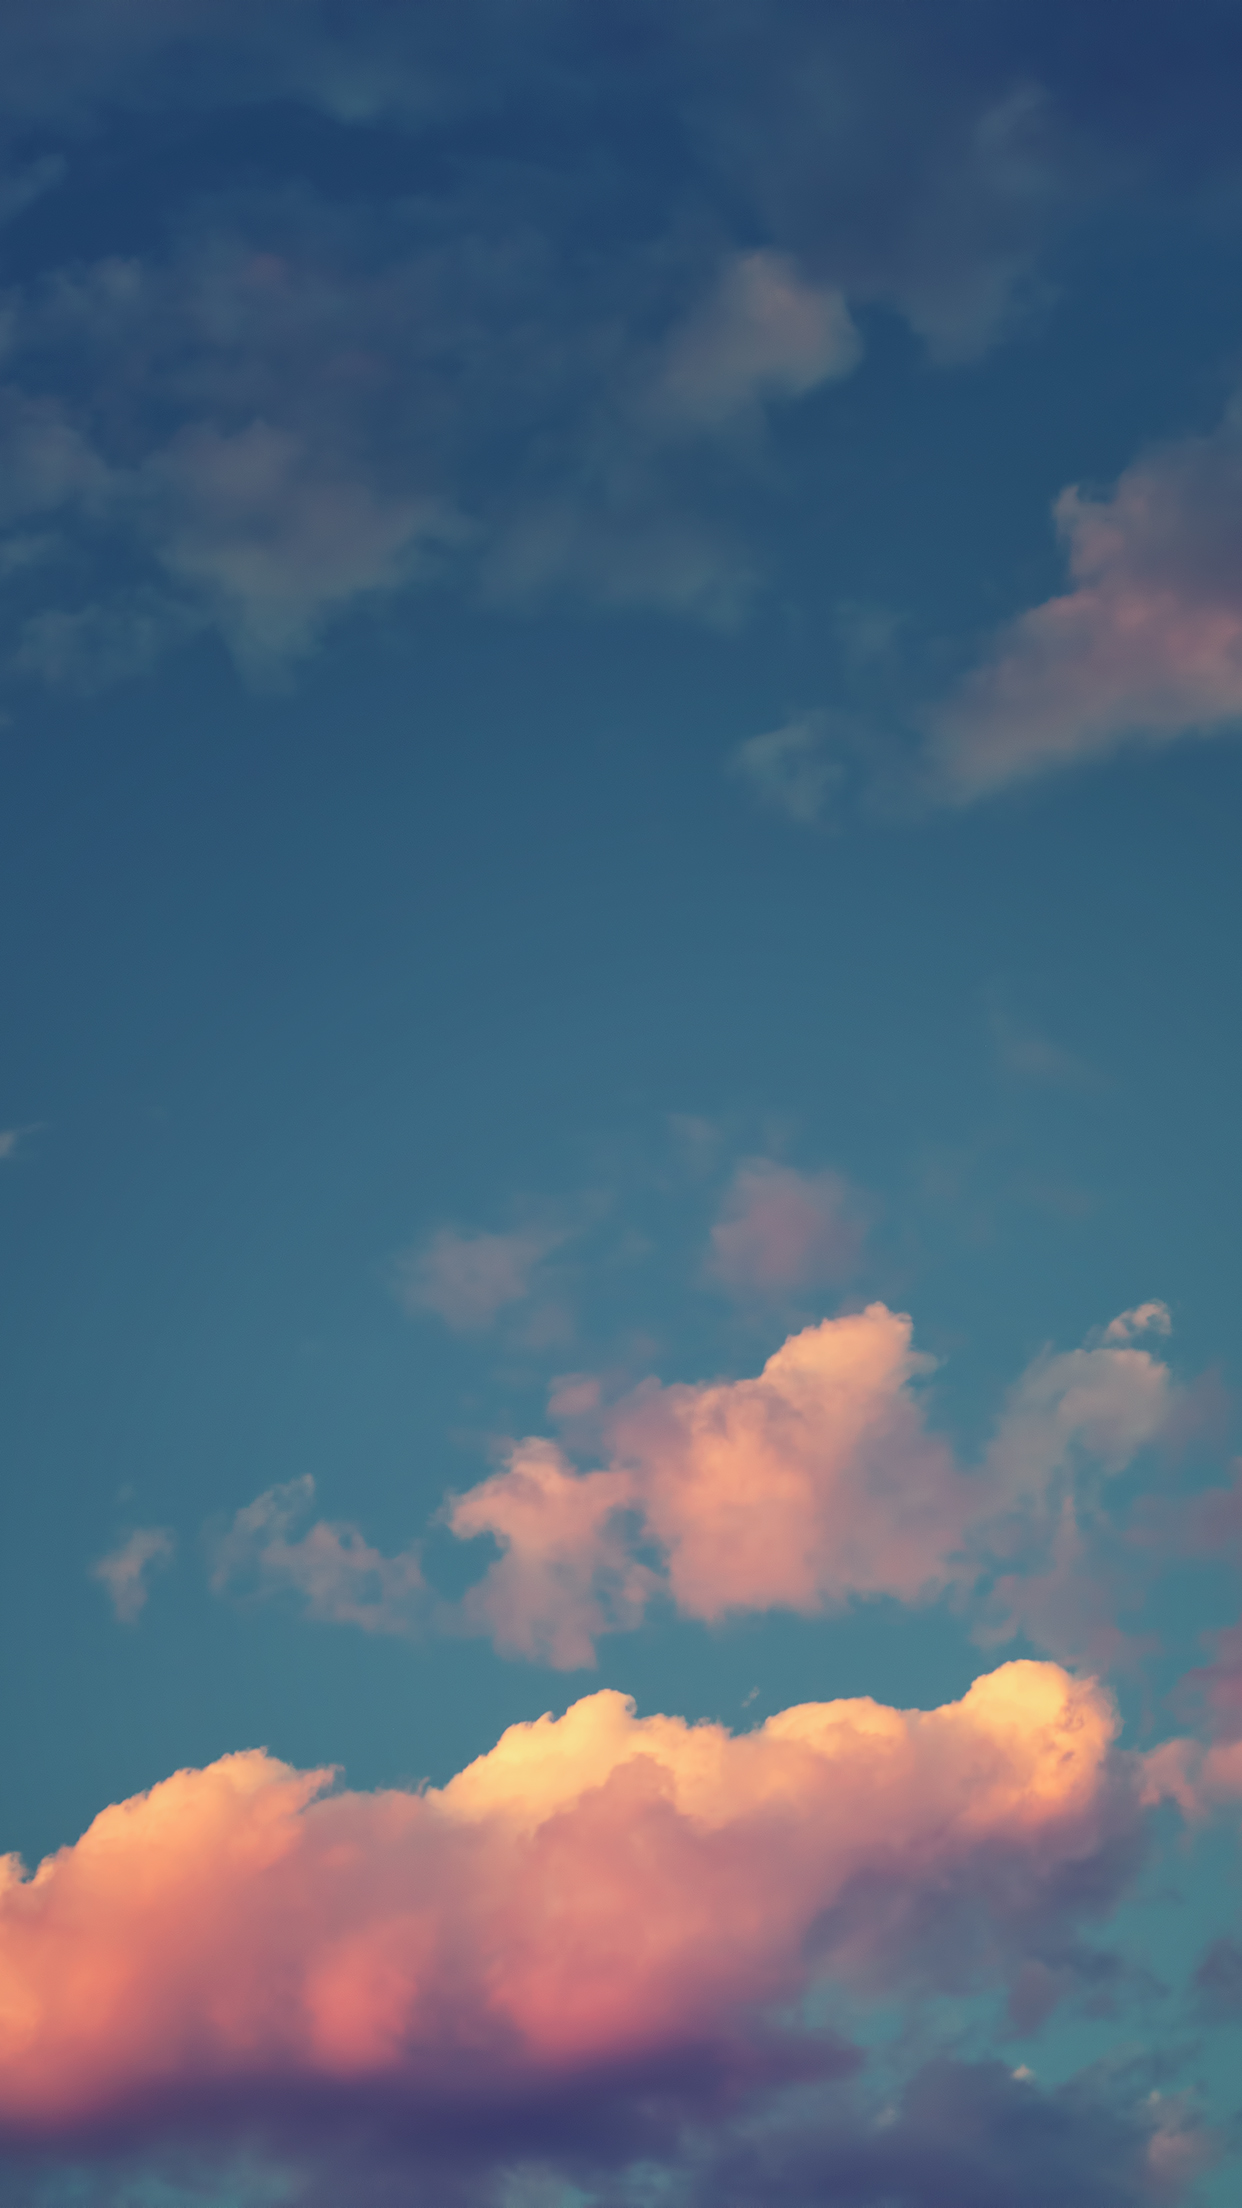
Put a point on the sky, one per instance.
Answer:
(620, 680)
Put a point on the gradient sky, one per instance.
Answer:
(620, 680)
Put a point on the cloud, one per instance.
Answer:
(567, 1573)
(602, 1909)
(813, 1484)
(763, 333)
(339, 1578)
(1144, 649)
(816, 1483)
(789, 768)
(1105, 1402)
(780, 1230)
(965, 2135)
(317, 395)
(126, 1570)
(1145, 1318)
(467, 1279)
(277, 536)
(1028, 1055)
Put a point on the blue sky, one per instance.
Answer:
(621, 664)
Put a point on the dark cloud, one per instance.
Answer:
(956, 2134)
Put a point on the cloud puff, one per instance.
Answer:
(126, 1570)
(339, 1578)
(467, 1279)
(568, 1572)
(780, 1229)
(1145, 1318)
(763, 333)
(1145, 648)
(814, 1483)
(600, 1900)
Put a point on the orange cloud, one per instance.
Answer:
(598, 1890)
(815, 1482)
(1146, 645)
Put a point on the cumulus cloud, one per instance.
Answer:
(780, 1230)
(127, 1570)
(338, 1577)
(815, 1483)
(601, 1902)
(1146, 646)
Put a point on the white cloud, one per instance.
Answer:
(1145, 647)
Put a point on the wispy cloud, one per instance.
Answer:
(336, 1575)
(790, 768)
(468, 1278)
(780, 1230)
(1026, 1053)
(126, 1571)
(1144, 649)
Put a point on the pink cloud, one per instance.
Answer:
(340, 1579)
(126, 1570)
(816, 1482)
(598, 1892)
(1107, 1402)
(780, 1229)
(1144, 648)
(811, 1484)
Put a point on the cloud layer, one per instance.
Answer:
(287, 399)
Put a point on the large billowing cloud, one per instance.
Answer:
(601, 1902)
(815, 1482)
(1144, 648)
